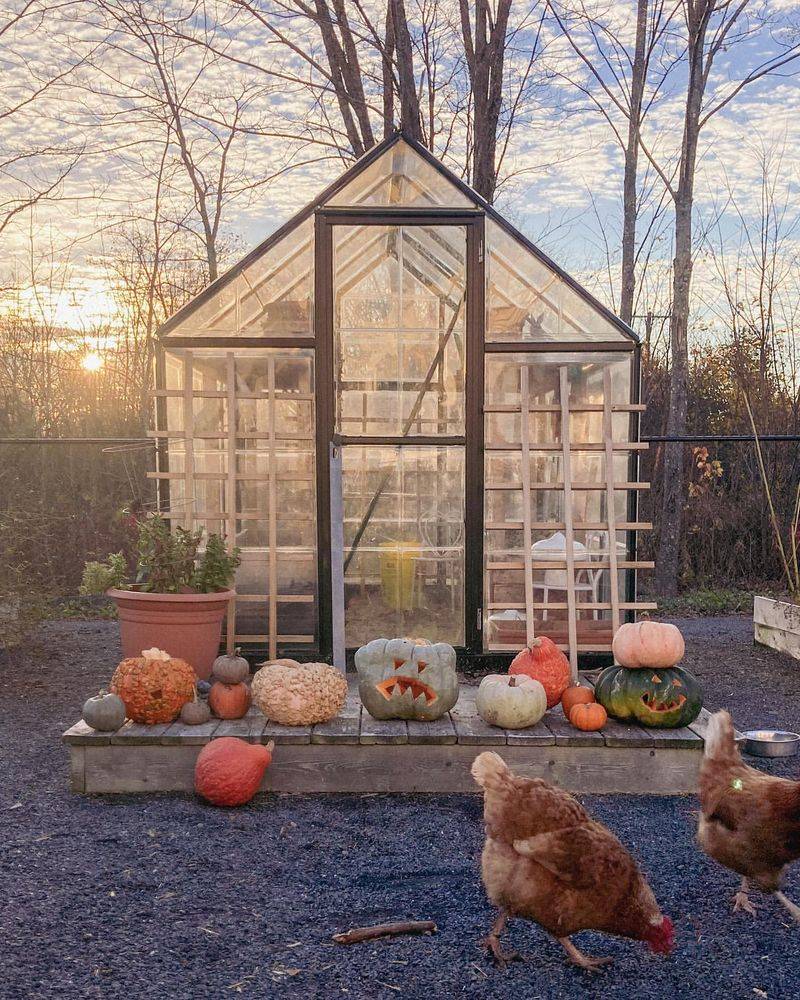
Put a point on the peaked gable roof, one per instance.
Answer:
(438, 188)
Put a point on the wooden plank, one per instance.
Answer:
(134, 732)
(80, 733)
(683, 737)
(608, 434)
(566, 735)
(569, 531)
(343, 728)
(624, 734)
(527, 539)
(272, 508)
(77, 768)
(470, 728)
(534, 736)
(437, 731)
(314, 768)
(776, 624)
(230, 487)
(188, 451)
(242, 728)
(285, 734)
(382, 731)
(181, 734)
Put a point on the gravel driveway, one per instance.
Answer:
(159, 896)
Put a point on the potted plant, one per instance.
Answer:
(776, 623)
(177, 596)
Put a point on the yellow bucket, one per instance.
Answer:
(398, 568)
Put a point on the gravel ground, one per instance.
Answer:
(159, 896)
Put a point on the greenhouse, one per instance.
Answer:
(411, 422)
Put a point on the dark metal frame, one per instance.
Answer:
(473, 219)
(472, 441)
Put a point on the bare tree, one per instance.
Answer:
(400, 66)
(189, 104)
(623, 76)
(34, 161)
(711, 27)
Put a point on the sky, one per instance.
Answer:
(562, 174)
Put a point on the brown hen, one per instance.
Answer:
(749, 821)
(545, 859)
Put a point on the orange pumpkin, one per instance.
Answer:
(576, 695)
(544, 662)
(228, 771)
(229, 701)
(588, 716)
(153, 686)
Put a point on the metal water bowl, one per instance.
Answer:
(770, 743)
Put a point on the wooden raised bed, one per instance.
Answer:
(355, 753)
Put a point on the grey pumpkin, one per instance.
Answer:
(196, 712)
(104, 712)
(231, 668)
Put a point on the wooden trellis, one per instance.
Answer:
(229, 479)
(570, 563)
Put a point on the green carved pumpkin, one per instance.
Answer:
(664, 697)
(407, 678)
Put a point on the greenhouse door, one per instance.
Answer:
(399, 301)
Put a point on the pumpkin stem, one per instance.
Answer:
(102, 693)
(512, 681)
(535, 643)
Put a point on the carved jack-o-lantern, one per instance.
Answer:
(401, 679)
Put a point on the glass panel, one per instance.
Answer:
(271, 453)
(400, 177)
(272, 296)
(399, 320)
(504, 541)
(527, 300)
(406, 574)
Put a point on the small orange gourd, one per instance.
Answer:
(229, 701)
(588, 717)
(576, 695)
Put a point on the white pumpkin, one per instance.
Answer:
(511, 701)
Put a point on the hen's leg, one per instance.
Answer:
(492, 942)
(741, 901)
(584, 961)
(790, 906)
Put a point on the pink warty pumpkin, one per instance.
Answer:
(648, 644)
(228, 771)
(544, 662)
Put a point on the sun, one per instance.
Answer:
(92, 361)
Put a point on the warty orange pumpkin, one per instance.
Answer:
(545, 663)
(153, 686)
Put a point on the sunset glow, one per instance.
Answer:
(92, 361)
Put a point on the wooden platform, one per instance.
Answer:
(355, 753)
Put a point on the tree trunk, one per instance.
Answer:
(674, 492)
(407, 85)
(630, 206)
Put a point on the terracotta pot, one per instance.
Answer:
(187, 626)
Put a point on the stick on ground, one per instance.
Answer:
(356, 934)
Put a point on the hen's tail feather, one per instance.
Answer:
(719, 738)
(490, 770)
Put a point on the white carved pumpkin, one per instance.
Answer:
(404, 679)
